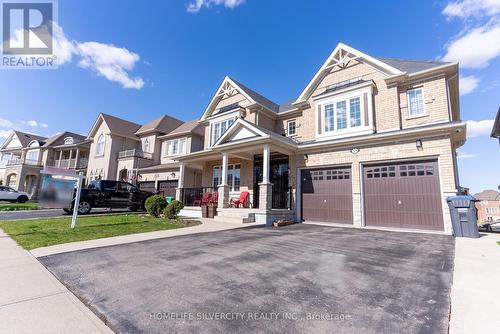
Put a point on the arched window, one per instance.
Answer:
(101, 141)
(68, 141)
(145, 147)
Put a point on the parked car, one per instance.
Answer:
(12, 195)
(110, 194)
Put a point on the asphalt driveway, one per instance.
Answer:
(297, 279)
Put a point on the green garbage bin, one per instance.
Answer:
(169, 199)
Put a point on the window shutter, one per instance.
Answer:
(320, 127)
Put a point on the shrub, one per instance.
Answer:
(155, 205)
(173, 209)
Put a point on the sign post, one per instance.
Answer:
(79, 183)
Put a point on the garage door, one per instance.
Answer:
(327, 195)
(403, 195)
(147, 186)
(168, 188)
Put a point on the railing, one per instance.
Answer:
(15, 162)
(282, 199)
(70, 163)
(193, 196)
(135, 153)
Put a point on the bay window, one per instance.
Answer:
(344, 114)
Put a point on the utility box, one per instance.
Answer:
(463, 216)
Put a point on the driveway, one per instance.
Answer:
(297, 279)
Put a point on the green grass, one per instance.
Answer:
(33, 233)
(498, 243)
(18, 206)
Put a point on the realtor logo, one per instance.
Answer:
(27, 34)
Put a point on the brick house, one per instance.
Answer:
(369, 142)
(488, 206)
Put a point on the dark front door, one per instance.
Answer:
(279, 177)
(404, 195)
(327, 195)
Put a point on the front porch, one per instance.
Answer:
(261, 172)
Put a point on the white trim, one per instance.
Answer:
(348, 131)
(294, 120)
(233, 126)
(408, 103)
(218, 94)
(343, 90)
(97, 154)
(389, 69)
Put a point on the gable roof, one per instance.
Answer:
(164, 125)
(188, 127)
(488, 195)
(26, 138)
(52, 140)
(117, 126)
(412, 66)
(228, 86)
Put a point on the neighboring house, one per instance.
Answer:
(142, 154)
(24, 155)
(495, 132)
(368, 142)
(488, 206)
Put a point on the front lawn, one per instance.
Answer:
(32, 234)
(18, 206)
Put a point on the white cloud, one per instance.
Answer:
(110, 62)
(468, 8)
(479, 128)
(468, 84)
(465, 155)
(195, 6)
(106, 60)
(476, 47)
(5, 123)
(4, 133)
(31, 122)
(43, 125)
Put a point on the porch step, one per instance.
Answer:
(232, 215)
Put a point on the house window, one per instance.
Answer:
(416, 102)
(176, 147)
(492, 210)
(68, 141)
(32, 155)
(219, 128)
(233, 177)
(343, 114)
(145, 146)
(329, 118)
(99, 149)
(291, 128)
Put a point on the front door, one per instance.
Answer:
(279, 177)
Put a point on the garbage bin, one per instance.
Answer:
(463, 216)
(169, 199)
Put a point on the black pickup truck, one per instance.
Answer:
(110, 194)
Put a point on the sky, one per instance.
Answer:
(139, 60)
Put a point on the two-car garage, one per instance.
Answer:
(397, 194)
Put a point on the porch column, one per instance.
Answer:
(60, 158)
(77, 157)
(70, 156)
(265, 188)
(223, 187)
(180, 184)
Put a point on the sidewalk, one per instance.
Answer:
(475, 294)
(34, 301)
(208, 225)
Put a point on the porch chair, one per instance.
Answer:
(241, 201)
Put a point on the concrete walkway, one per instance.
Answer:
(34, 301)
(475, 294)
(208, 225)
